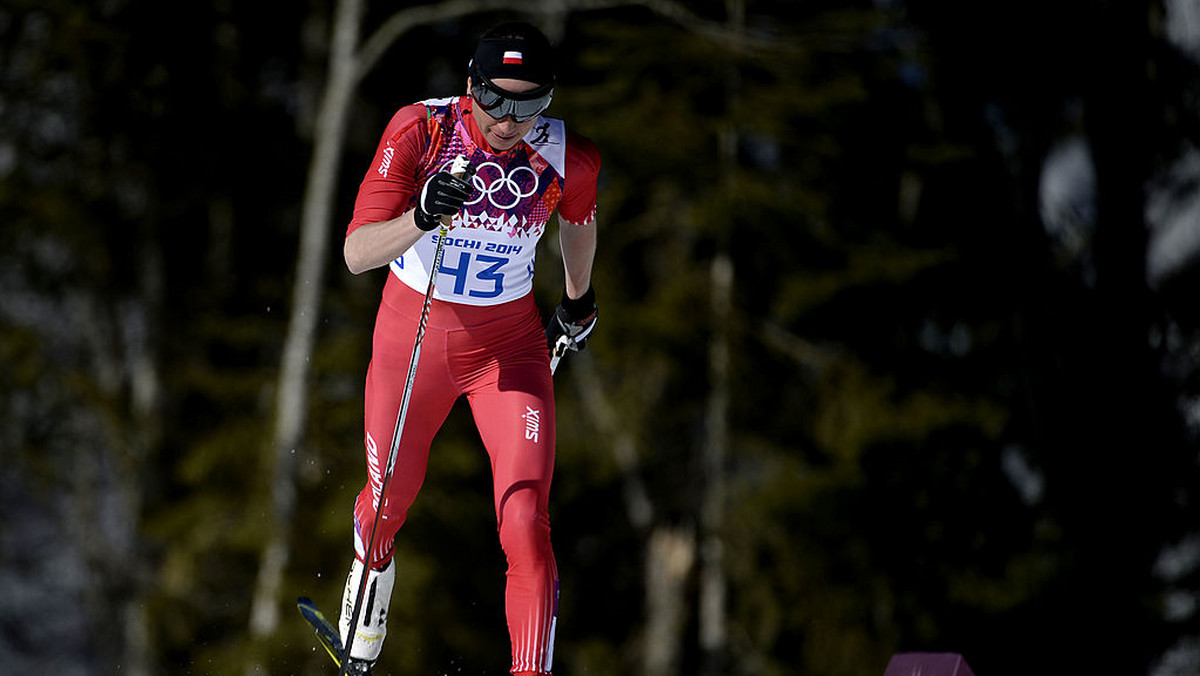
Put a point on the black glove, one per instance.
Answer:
(443, 195)
(574, 319)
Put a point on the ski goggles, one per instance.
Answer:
(500, 103)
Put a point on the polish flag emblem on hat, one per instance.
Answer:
(513, 57)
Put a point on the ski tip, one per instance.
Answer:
(327, 634)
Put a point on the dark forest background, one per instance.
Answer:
(899, 343)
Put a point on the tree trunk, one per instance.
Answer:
(141, 344)
(292, 392)
(712, 510)
(108, 484)
(670, 552)
(670, 558)
(713, 588)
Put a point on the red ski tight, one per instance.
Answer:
(497, 357)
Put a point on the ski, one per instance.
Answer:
(326, 633)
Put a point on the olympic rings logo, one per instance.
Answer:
(503, 191)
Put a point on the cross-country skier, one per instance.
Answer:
(485, 338)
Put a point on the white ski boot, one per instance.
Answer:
(372, 621)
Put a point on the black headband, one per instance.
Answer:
(523, 54)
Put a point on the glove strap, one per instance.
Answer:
(579, 308)
(425, 221)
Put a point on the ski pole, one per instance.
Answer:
(458, 169)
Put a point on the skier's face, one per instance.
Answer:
(506, 132)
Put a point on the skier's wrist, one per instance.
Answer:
(425, 221)
(578, 309)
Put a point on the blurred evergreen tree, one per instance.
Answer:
(943, 433)
(861, 425)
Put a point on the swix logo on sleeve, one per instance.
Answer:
(386, 162)
(533, 423)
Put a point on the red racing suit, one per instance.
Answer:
(484, 338)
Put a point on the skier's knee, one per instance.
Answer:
(524, 528)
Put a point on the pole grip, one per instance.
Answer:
(458, 169)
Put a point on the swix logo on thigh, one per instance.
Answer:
(373, 470)
(533, 423)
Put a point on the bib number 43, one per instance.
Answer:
(487, 281)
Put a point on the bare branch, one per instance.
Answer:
(804, 352)
(409, 18)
